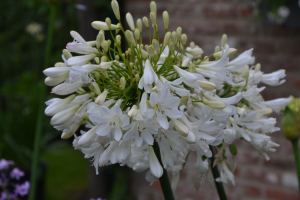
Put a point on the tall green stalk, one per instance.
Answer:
(297, 159)
(216, 174)
(38, 128)
(164, 179)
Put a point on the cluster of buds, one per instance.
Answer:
(164, 92)
(12, 185)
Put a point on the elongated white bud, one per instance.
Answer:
(87, 138)
(181, 128)
(105, 46)
(183, 39)
(178, 33)
(174, 39)
(96, 88)
(55, 81)
(153, 7)
(217, 49)
(80, 60)
(265, 111)
(65, 135)
(257, 67)
(101, 98)
(139, 24)
(130, 22)
(195, 52)
(55, 72)
(167, 38)
(116, 9)
(144, 53)
(99, 25)
(218, 55)
(145, 21)
(155, 44)
(63, 116)
(153, 18)
(215, 104)
(224, 40)
(166, 19)
(122, 82)
(58, 106)
(108, 22)
(100, 38)
(190, 138)
(192, 44)
(155, 166)
(67, 54)
(137, 34)
(150, 50)
(185, 62)
(137, 77)
(132, 112)
(206, 85)
(129, 36)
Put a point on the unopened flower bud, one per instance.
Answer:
(104, 45)
(145, 21)
(153, 7)
(99, 25)
(183, 39)
(105, 65)
(116, 9)
(181, 128)
(129, 36)
(217, 49)
(103, 59)
(67, 54)
(178, 33)
(130, 22)
(87, 138)
(257, 67)
(119, 102)
(190, 138)
(186, 62)
(218, 55)
(174, 37)
(291, 120)
(58, 106)
(63, 116)
(166, 19)
(137, 77)
(215, 104)
(265, 111)
(195, 52)
(105, 74)
(206, 85)
(192, 44)
(133, 111)
(65, 135)
(108, 43)
(153, 18)
(155, 44)
(139, 24)
(96, 88)
(101, 98)
(108, 22)
(122, 83)
(171, 45)
(192, 68)
(137, 34)
(167, 38)
(150, 50)
(224, 40)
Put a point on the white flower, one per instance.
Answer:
(141, 129)
(80, 60)
(149, 77)
(80, 46)
(155, 167)
(188, 78)
(241, 61)
(67, 87)
(58, 105)
(252, 94)
(99, 25)
(277, 104)
(164, 105)
(110, 121)
(226, 174)
(274, 78)
(55, 72)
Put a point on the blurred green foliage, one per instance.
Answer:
(22, 58)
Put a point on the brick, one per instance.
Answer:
(252, 191)
(290, 180)
(281, 194)
(262, 175)
(220, 11)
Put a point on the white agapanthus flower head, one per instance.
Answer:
(164, 96)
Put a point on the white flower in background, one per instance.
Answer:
(161, 94)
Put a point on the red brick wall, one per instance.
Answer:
(204, 22)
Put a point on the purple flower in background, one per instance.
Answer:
(3, 196)
(22, 189)
(16, 173)
(4, 164)
(98, 199)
